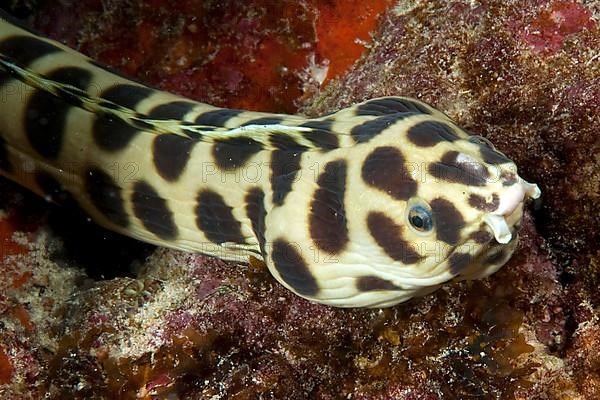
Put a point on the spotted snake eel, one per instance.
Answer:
(365, 207)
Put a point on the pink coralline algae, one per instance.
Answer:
(548, 31)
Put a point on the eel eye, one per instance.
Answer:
(480, 140)
(420, 218)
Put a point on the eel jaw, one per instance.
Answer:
(509, 203)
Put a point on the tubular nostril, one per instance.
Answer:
(531, 189)
(508, 178)
(499, 227)
(517, 194)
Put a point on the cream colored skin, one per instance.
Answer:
(335, 274)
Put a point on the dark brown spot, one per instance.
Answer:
(174, 110)
(255, 210)
(481, 237)
(234, 152)
(52, 188)
(390, 105)
(24, 50)
(285, 164)
(457, 262)
(139, 121)
(74, 76)
(284, 142)
(45, 120)
(327, 219)
(449, 221)
(152, 210)
(127, 95)
(106, 196)
(72, 96)
(450, 169)
(388, 236)
(108, 105)
(430, 133)
(371, 283)
(385, 170)
(321, 134)
(508, 178)
(112, 134)
(368, 130)
(215, 218)
(217, 117)
(293, 269)
(480, 203)
(264, 121)
(5, 164)
(171, 155)
(491, 156)
(495, 258)
(46, 114)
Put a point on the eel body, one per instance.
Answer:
(365, 207)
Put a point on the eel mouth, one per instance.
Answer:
(510, 209)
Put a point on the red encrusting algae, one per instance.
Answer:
(548, 31)
(343, 28)
(6, 369)
(8, 226)
(23, 317)
(256, 55)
